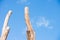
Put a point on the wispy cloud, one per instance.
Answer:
(42, 22)
(23, 2)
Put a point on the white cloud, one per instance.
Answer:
(42, 21)
(23, 2)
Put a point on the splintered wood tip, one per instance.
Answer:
(26, 10)
(10, 12)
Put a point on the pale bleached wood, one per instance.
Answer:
(5, 29)
(30, 31)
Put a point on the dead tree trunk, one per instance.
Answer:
(30, 31)
(5, 29)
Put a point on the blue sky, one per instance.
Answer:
(44, 16)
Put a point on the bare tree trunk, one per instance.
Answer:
(30, 31)
(5, 29)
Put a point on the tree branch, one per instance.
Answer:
(5, 29)
(30, 31)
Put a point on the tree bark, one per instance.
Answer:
(30, 31)
(5, 29)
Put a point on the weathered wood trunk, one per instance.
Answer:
(30, 31)
(5, 29)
